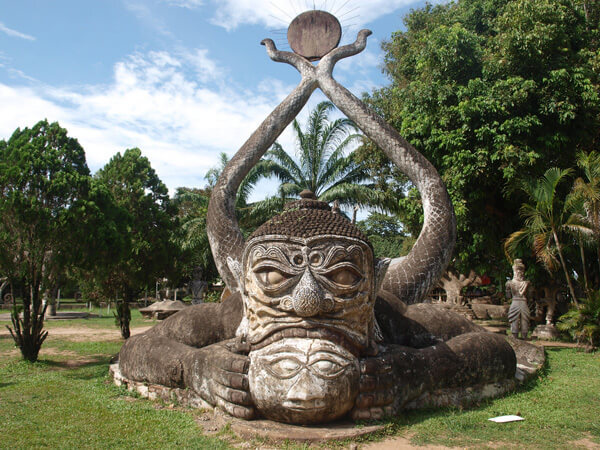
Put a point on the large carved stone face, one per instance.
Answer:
(326, 282)
(303, 380)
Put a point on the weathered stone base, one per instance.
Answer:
(530, 359)
(185, 397)
(545, 332)
(461, 397)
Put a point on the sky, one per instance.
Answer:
(183, 80)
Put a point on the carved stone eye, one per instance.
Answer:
(344, 277)
(271, 277)
(316, 259)
(298, 259)
(285, 367)
(327, 367)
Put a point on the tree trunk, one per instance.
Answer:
(27, 331)
(585, 275)
(564, 266)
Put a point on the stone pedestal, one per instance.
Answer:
(545, 332)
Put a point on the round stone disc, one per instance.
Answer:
(313, 34)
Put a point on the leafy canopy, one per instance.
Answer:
(490, 92)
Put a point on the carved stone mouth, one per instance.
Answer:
(309, 405)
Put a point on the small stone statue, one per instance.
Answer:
(197, 286)
(518, 289)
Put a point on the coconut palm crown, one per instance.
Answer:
(323, 165)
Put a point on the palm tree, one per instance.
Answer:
(585, 196)
(545, 218)
(249, 215)
(322, 165)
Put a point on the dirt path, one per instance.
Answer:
(83, 334)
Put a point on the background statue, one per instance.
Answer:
(197, 286)
(315, 327)
(519, 290)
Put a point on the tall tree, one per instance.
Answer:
(192, 206)
(137, 189)
(44, 183)
(249, 214)
(546, 218)
(586, 192)
(489, 91)
(322, 165)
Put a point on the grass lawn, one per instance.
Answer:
(67, 401)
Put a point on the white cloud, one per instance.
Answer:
(278, 14)
(143, 12)
(188, 4)
(15, 33)
(167, 104)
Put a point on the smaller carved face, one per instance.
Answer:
(303, 381)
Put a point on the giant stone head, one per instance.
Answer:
(309, 282)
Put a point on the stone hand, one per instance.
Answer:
(219, 373)
(376, 395)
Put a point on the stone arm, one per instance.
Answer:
(195, 348)
(427, 347)
(508, 290)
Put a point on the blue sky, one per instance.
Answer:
(183, 80)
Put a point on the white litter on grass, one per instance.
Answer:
(504, 419)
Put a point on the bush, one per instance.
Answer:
(583, 323)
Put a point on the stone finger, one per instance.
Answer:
(360, 414)
(241, 412)
(233, 395)
(376, 413)
(232, 379)
(364, 401)
(236, 363)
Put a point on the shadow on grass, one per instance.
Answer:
(73, 365)
(3, 385)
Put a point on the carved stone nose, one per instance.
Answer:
(308, 296)
(307, 388)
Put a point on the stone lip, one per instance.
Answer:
(276, 431)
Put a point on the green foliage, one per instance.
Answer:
(249, 215)
(44, 185)
(490, 92)
(546, 217)
(384, 233)
(583, 323)
(322, 165)
(148, 250)
(192, 240)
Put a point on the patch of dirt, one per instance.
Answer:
(585, 443)
(84, 334)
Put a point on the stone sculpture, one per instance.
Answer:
(316, 328)
(197, 286)
(518, 289)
